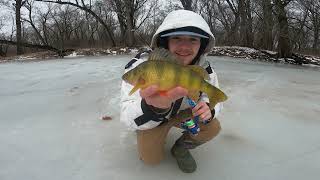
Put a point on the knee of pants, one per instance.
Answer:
(152, 160)
(151, 145)
(215, 128)
(210, 130)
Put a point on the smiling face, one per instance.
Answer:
(185, 48)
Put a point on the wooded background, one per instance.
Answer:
(284, 26)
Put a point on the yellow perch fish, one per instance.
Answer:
(164, 70)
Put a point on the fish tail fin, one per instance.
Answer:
(215, 95)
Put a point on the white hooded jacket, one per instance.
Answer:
(134, 112)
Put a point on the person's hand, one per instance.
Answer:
(154, 98)
(202, 110)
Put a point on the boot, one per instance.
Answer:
(181, 153)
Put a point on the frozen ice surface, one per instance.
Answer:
(51, 127)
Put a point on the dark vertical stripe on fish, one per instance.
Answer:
(177, 75)
(160, 67)
(192, 80)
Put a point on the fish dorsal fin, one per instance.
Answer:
(161, 54)
(199, 70)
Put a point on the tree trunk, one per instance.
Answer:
(316, 39)
(129, 4)
(3, 53)
(243, 23)
(249, 31)
(18, 27)
(233, 35)
(119, 8)
(284, 46)
(267, 39)
(316, 31)
(187, 4)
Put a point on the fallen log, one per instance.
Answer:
(61, 52)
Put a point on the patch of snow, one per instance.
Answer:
(270, 52)
(246, 49)
(313, 58)
(249, 50)
(311, 65)
(290, 59)
(73, 54)
(134, 51)
(24, 58)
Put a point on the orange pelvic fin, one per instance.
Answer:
(163, 93)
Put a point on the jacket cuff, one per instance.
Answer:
(213, 112)
(151, 113)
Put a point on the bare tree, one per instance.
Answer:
(103, 10)
(267, 27)
(284, 45)
(18, 4)
(151, 21)
(313, 13)
(229, 18)
(300, 26)
(88, 9)
(245, 23)
(209, 13)
(235, 25)
(190, 5)
(29, 6)
(3, 49)
(128, 13)
(43, 23)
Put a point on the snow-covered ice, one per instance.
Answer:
(51, 127)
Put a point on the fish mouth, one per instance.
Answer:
(124, 77)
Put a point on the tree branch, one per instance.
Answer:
(87, 10)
